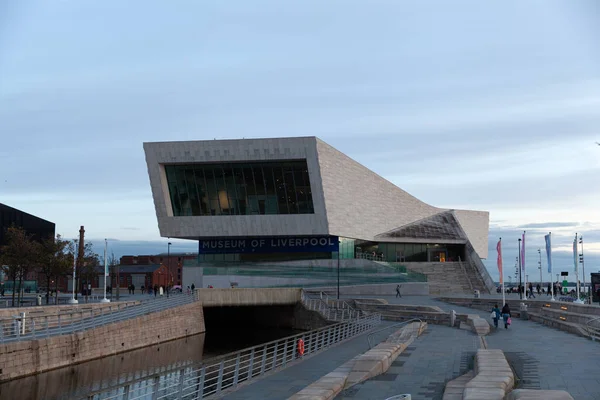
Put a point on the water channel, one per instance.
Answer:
(78, 380)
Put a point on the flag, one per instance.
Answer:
(499, 249)
(549, 251)
(575, 252)
(523, 254)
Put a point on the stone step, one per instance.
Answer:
(455, 388)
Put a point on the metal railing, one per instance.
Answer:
(205, 380)
(331, 309)
(370, 337)
(593, 332)
(28, 327)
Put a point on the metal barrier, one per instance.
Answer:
(332, 310)
(204, 380)
(593, 331)
(27, 327)
(392, 326)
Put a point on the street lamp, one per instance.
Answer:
(168, 266)
(582, 264)
(338, 270)
(105, 300)
(73, 300)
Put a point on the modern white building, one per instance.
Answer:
(298, 198)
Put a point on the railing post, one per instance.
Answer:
(285, 347)
(200, 390)
(263, 361)
(180, 390)
(59, 322)
(274, 363)
(236, 373)
(155, 387)
(251, 364)
(220, 376)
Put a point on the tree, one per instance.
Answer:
(88, 265)
(55, 261)
(18, 256)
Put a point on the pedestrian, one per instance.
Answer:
(155, 290)
(506, 315)
(193, 287)
(549, 289)
(496, 315)
(398, 291)
(531, 291)
(539, 289)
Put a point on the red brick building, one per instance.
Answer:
(173, 263)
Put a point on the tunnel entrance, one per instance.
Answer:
(233, 328)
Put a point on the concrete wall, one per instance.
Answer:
(384, 289)
(248, 297)
(25, 358)
(64, 309)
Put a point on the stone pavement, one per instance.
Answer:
(543, 358)
(422, 370)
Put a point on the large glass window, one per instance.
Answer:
(278, 187)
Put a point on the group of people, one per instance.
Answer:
(504, 314)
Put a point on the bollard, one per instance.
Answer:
(22, 322)
(523, 311)
(452, 318)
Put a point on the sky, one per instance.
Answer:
(465, 104)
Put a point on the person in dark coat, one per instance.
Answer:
(505, 315)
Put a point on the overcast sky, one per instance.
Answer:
(465, 104)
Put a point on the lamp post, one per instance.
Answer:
(520, 280)
(73, 300)
(583, 266)
(338, 271)
(105, 300)
(168, 267)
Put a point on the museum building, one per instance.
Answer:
(283, 199)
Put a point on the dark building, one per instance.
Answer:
(38, 227)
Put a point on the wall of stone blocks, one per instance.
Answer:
(29, 357)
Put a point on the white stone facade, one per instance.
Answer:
(349, 200)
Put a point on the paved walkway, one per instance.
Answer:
(291, 380)
(543, 358)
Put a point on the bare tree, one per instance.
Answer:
(18, 255)
(55, 261)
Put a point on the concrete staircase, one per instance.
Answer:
(444, 278)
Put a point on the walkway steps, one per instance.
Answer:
(455, 388)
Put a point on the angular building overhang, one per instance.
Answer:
(349, 199)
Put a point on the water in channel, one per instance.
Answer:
(79, 380)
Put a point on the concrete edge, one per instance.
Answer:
(529, 394)
(493, 377)
(374, 362)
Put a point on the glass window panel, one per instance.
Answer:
(173, 190)
(251, 188)
(290, 189)
(270, 199)
(280, 190)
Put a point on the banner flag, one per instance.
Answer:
(523, 254)
(549, 252)
(575, 252)
(499, 249)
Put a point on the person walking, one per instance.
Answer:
(549, 289)
(506, 315)
(530, 291)
(496, 315)
(398, 291)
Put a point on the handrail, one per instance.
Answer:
(227, 372)
(28, 327)
(587, 326)
(392, 326)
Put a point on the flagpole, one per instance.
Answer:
(502, 274)
(524, 267)
(575, 261)
(549, 256)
